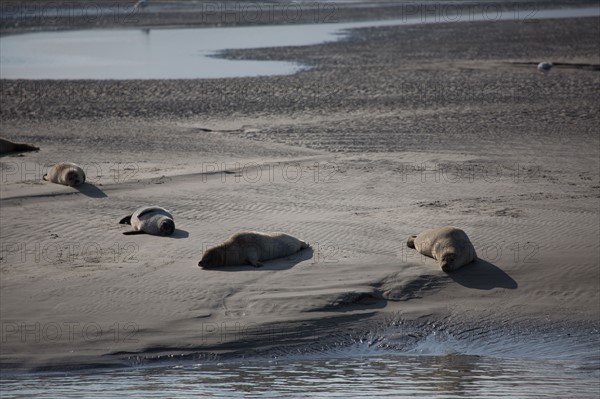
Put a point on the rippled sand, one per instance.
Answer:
(395, 130)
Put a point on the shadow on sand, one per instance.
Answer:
(178, 233)
(276, 264)
(483, 275)
(91, 191)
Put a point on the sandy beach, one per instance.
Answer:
(392, 131)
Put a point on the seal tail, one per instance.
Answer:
(126, 220)
(304, 245)
(411, 242)
(25, 147)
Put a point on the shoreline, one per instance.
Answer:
(394, 130)
(215, 62)
(22, 15)
(387, 335)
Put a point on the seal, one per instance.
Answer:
(66, 173)
(150, 220)
(251, 247)
(545, 67)
(448, 245)
(9, 147)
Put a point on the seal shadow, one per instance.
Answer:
(482, 275)
(178, 234)
(352, 301)
(91, 191)
(284, 263)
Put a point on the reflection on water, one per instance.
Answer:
(189, 53)
(450, 376)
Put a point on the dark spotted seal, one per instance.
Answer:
(150, 220)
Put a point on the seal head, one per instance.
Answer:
(214, 257)
(73, 178)
(166, 226)
(447, 262)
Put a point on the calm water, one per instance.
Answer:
(190, 53)
(402, 363)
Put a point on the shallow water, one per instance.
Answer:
(420, 361)
(190, 53)
(451, 376)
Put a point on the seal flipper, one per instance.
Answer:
(130, 233)
(254, 262)
(45, 177)
(126, 220)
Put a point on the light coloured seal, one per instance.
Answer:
(448, 245)
(66, 173)
(251, 247)
(150, 220)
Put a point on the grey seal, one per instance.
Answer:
(9, 147)
(251, 247)
(545, 67)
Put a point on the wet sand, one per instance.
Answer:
(43, 15)
(393, 131)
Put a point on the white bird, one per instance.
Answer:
(545, 67)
